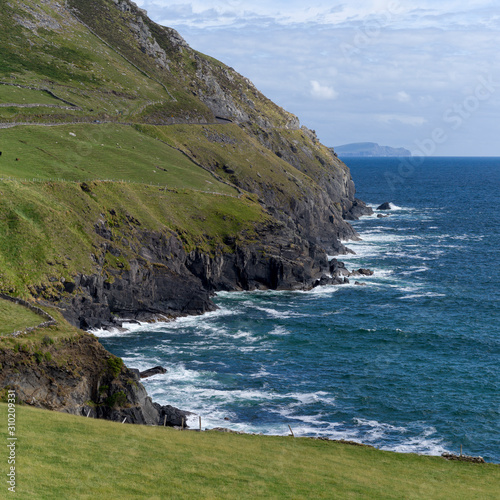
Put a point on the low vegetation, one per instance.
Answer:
(14, 317)
(40, 339)
(63, 456)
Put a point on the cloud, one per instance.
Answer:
(319, 91)
(409, 68)
(447, 14)
(402, 96)
(414, 121)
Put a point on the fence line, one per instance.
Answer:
(113, 181)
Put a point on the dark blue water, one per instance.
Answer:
(409, 362)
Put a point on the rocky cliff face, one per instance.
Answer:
(79, 376)
(163, 281)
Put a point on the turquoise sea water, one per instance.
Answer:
(409, 362)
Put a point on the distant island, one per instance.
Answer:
(369, 149)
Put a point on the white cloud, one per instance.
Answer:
(402, 96)
(319, 91)
(414, 121)
(447, 14)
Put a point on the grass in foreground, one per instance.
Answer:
(62, 456)
(14, 317)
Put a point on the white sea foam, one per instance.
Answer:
(240, 334)
(131, 328)
(414, 270)
(377, 425)
(419, 444)
(373, 431)
(184, 388)
(422, 295)
(125, 330)
(274, 313)
(261, 373)
(323, 290)
(279, 330)
(311, 397)
(218, 313)
(395, 207)
(313, 420)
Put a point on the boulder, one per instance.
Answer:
(362, 272)
(152, 371)
(385, 206)
(170, 416)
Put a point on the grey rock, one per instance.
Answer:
(385, 206)
(152, 371)
(358, 209)
(463, 458)
(362, 272)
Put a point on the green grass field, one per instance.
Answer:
(17, 95)
(81, 152)
(14, 317)
(62, 456)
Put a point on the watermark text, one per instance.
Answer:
(11, 441)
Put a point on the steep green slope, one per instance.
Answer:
(131, 161)
(48, 230)
(82, 152)
(16, 317)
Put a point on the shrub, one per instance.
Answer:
(117, 399)
(38, 355)
(115, 365)
(47, 340)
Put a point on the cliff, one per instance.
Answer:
(76, 375)
(138, 177)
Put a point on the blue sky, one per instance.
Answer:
(422, 75)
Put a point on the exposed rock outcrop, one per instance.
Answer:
(463, 458)
(157, 370)
(358, 209)
(79, 376)
(385, 206)
(159, 280)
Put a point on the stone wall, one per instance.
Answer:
(50, 320)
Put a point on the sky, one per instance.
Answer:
(423, 75)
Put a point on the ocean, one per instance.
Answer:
(407, 361)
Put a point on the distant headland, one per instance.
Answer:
(369, 149)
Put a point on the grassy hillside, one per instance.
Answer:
(83, 152)
(47, 229)
(15, 317)
(85, 67)
(62, 456)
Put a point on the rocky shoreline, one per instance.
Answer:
(162, 282)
